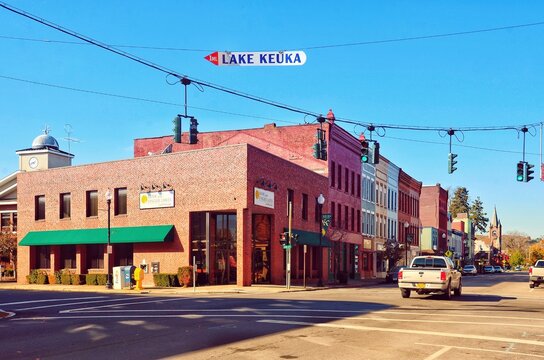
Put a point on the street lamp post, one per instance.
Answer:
(407, 242)
(108, 249)
(320, 202)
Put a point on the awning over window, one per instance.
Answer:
(118, 235)
(310, 238)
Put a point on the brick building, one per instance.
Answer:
(295, 143)
(434, 213)
(408, 215)
(224, 206)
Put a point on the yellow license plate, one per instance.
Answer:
(421, 285)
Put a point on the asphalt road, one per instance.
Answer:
(497, 317)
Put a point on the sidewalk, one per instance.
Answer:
(212, 289)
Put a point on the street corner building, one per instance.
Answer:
(220, 209)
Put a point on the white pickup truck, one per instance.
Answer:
(430, 274)
(536, 274)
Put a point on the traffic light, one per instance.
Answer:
(520, 171)
(365, 158)
(323, 149)
(284, 238)
(451, 163)
(528, 172)
(177, 129)
(375, 155)
(193, 131)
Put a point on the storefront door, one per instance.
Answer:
(261, 248)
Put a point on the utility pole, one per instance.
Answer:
(288, 252)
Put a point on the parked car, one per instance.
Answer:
(392, 275)
(517, 268)
(498, 269)
(469, 270)
(488, 269)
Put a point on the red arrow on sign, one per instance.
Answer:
(213, 58)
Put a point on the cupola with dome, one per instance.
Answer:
(44, 154)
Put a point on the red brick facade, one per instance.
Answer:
(218, 179)
(434, 212)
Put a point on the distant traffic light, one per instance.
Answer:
(320, 146)
(177, 129)
(284, 238)
(520, 171)
(451, 163)
(193, 131)
(365, 158)
(528, 172)
(375, 153)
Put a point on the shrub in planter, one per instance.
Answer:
(185, 275)
(51, 278)
(77, 279)
(165, 280)
(41, 278)
(90, 279)
(66, 279)
(101, 279)
(33, 276)
(57, 277)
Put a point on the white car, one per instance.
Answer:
(469, 270)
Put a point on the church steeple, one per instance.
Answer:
(495, 222)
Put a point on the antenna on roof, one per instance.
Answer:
(68, 130)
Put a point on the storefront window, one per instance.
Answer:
(43, 257)
(68, 256)
(95, 256)
(224, 244)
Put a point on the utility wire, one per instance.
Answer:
(140, 99)
(317, 47)
(150, 64)
(169, 72)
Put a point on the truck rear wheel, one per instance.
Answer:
(405, 293)
(458, 291)
(447, 294)
(531, 285)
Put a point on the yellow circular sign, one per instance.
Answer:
(144, 199)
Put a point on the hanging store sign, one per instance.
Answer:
(157, 199)
(263, 198)
(259, 58)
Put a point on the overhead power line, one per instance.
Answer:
(317, 47)
(276, 104)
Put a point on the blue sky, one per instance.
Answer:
(484, 79)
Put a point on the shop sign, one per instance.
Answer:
(157, 199)
(257, 58)
(263, 198)
(368, 244)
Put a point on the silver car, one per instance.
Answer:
(469, 270)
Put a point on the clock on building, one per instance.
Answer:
(33, 162)
(494, 233)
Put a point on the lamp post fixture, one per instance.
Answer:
(320, 202)
(408, 241)
(108, 249)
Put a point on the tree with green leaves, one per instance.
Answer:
(8, 247)
(459, 202)
(478, 216)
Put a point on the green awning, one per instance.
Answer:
(118, 235)
(310, 238)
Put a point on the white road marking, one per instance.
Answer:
(48, 300)
(442, 351)
(68, 304)
(219, 310)
(484, 350)
(459, 315)
(9, 313)
(111, 305)
(407, 331)
(185, 316)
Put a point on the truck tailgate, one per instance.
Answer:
(421, 275)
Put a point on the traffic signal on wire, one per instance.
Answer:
(451, 163)
(375, 153)
(520, 171)
(528, 172)
(177, 129)
(365, 156)
(193, 131)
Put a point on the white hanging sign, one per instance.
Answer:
(258, 58)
